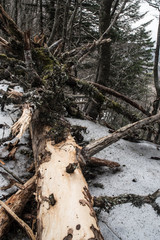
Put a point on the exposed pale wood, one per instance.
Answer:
(23, 123)
(14, 94)
(16, 203)
(2, 162)
(20, 221)
(54, 45)
(65, 206)
(97, 145)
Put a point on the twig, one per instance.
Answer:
(113, 22)
(12, 174)
(20, 221)
(101, 39)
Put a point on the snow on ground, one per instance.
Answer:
(139, 175)
(18, 165)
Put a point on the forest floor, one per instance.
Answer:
(139, 174)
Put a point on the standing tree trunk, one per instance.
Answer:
(103, 70)
(104, 54)
(65, 21)
(156, 77)
(104, 60)
(55, 24)
(41, 16)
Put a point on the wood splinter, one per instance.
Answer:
(23, 123)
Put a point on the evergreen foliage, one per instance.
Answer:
(131, 54)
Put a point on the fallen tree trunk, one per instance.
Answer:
(97, 145)
(121, 96)
(8, 26)
(65, 206)
(99, 98)
(16, 203)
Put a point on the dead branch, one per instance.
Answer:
(85, 50)
(20, 221)
(108, 203)
(54, 45)
(55, 24)
(121, 96)
(16, 203)
(92, 47)
(97, 96)
(102, 162)
(81, 52)
(12, 174)
(117, 107)
(113, 22)
(3, 42)
(8, 26)
(14, 94)
(98, 145)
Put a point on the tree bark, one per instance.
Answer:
(8, 26)
(65, 206)
(16, 203)
(103, 71)
(55, 24)
(155, 71)
(98, 145)
(121, 96)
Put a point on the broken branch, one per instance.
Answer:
(20, 221)
(137, 200)
(16, 203)
(23, 123)
(98, 145)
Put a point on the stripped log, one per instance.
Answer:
(65, 206)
